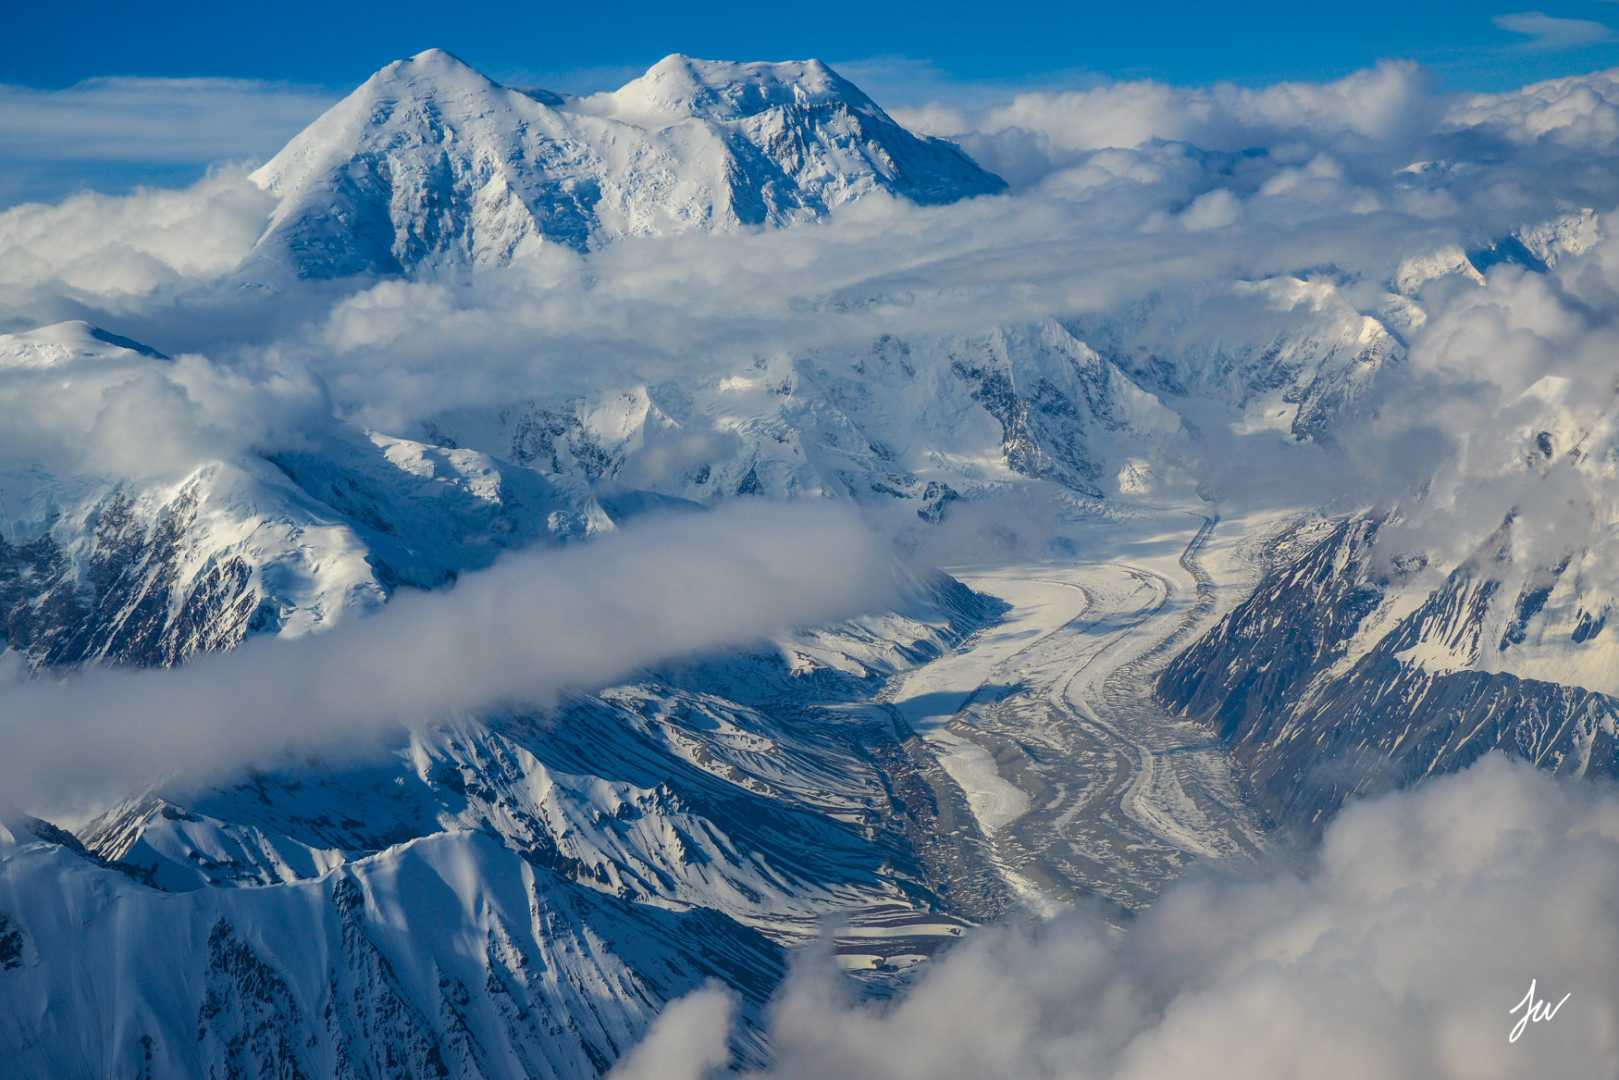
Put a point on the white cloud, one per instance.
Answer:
(1397, 951)
(142, 418)
(1382, 109)
(1212, 210)
(537, 624)
(687, 1042)
(128, 246)
(113, 130)
(1580, 111)
(1550, 32)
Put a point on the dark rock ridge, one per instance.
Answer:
(1314, 729)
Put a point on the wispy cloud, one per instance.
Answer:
(108, 133)
(536, 625)
(1551, 32)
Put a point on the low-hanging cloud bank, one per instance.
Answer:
(1399, 951)
(536, 625)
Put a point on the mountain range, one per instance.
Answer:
(521, 893)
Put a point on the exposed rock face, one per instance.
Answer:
(129, 599)
(11, 944)
(151, 573)
(1328, 686)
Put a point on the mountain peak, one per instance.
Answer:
(438, 56)
(431, 163)
(429, 70)
(64, 342)
(681, 87)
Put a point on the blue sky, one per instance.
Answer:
(338, 44)
(66, 126)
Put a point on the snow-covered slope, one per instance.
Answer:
(923, 419)
(504, 899)
(443, 957)
(64, 344)
(1353, 667)
(429, 163)
(152, 569)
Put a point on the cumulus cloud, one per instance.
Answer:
(122, 247)
(536, 625)
(146, 418)
(1579, 111)
(1380, 111)
(687, 1041)
(1397, 950)
(1212, 210)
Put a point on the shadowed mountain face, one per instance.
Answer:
(1347, 672)
(431, 164)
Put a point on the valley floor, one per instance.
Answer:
(1076, 783)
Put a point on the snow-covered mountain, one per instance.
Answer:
(519, 893)
(68, 343)
(504, 899)
(1538, 247)
(150, 571)
(513, 897)
(1292, 354)
(431, 164)
(1372, 654)
(1349, 672)
(519, 896)
(444, 957)
(919, 419)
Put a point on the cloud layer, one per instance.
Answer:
(536, 625)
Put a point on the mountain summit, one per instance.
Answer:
(431, 163)
(678, 87)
